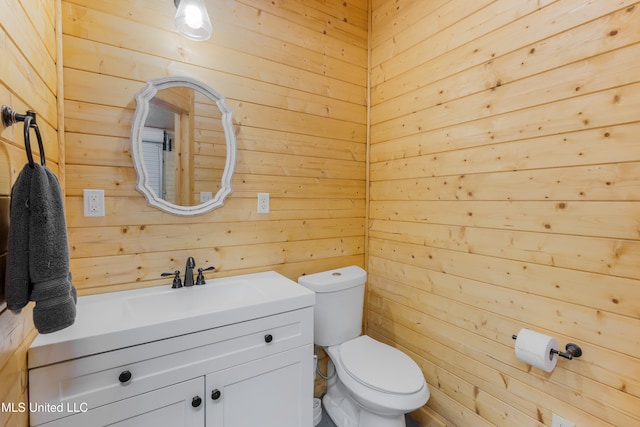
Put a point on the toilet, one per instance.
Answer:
(370, 384)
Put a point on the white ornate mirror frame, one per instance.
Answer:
(143, 99)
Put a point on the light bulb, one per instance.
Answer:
(193, 17)
(192, 20)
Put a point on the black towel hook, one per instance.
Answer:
(9, 117)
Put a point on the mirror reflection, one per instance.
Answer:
(183, 145)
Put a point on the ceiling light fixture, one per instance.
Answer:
(192, 19)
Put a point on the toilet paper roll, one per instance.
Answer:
(535, 348)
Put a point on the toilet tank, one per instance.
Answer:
(339, 304)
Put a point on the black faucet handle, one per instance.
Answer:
(200, 279)
(177, 283)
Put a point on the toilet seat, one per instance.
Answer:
(374, 392)
(380, 367)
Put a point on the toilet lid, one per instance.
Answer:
(380, 367)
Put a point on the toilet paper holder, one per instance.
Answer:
(571, 350)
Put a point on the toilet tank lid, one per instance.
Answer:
(334, 280)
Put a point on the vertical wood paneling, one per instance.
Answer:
(296, 82)
(28, 80)
(504, 176)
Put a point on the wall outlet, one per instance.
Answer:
(93, 202)
(263, 203)
(205, 196)
(557, 421)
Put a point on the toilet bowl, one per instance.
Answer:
(371, 384)
(384, 383)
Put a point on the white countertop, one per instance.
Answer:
(115, 320)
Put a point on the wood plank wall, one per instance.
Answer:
(299, 98)
(505, 165)
(295, 76)
(28, 80)
(504, 155)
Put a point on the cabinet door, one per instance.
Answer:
(172, 406)
(275, 391)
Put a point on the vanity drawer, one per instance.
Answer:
(96, 380)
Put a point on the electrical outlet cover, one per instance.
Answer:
(205, 196)
(93, 202)
(263, 203)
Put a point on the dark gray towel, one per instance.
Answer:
(38, 257)
(17, 286)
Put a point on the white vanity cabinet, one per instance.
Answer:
(274, 386)
(261, 368)
(244, 373)
(176, 405)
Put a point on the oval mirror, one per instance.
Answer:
(183, 145)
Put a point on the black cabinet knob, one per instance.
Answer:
(196, 401)
(125, 376)
(268, 338)
(215, 394)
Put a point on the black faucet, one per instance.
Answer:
(177, 283)
(200, 280)
(188, 271)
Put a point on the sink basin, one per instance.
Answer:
(195, 300)
(114, 320)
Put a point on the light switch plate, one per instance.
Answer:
(557, 421)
